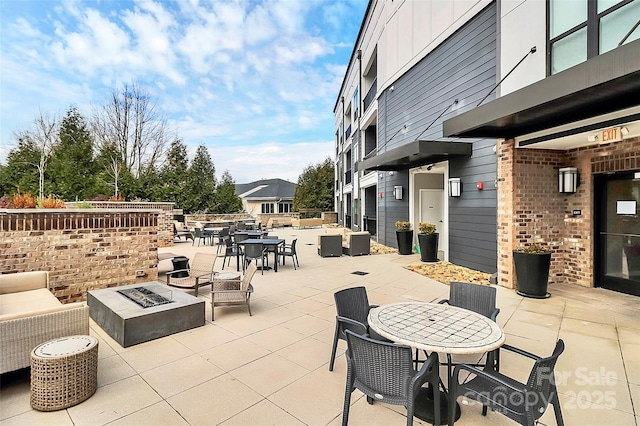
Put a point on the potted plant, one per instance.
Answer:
(532, 265)
(428, 241)
(404, 234)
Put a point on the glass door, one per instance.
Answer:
(617, 209)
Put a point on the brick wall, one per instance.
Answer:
(530, 208)
(165, 215)
(82, 249)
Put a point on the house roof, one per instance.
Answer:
(266, 189)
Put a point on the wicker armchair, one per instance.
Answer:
(524, 403)
(352, 306)
(384, 372)
(200, 273)
(222, 293)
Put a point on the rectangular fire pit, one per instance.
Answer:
(120, 312)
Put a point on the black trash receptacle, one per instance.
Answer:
(179, 263)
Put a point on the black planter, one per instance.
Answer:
(428, 247)
(405, 241)
(532, 273)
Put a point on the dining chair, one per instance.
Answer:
(352, 307)
(476, 298)
(255, 252)
(231, 251)
(523, 402)
(289, 250)
(384, 372)
(200, 235)
(224, 232)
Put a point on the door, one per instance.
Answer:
(617, 210)
(431, 210)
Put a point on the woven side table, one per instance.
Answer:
(64, 372)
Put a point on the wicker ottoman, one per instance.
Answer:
(64, 372)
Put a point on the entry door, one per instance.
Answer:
(431, 210)
(617, 212)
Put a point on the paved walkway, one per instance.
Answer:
(272, 368)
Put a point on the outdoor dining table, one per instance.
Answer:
(273, 242)
(250, 234)
(435, 327)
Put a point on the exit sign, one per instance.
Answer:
(610, 135)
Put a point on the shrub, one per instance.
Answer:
(23, 201)
(5, 203)
(52, 202)
(118, 198)
(403, 226)
(426, 228)
(535, 248)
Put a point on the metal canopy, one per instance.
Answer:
(415, 154)
(606, 83)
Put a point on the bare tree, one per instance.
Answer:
(43, 135)
(133, 122)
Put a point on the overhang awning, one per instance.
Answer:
(415, 154)
(603, 84)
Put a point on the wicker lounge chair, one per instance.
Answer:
(222, 293)
(200, 273)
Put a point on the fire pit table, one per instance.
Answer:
(137, 313)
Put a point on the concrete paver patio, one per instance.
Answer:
(272, 368)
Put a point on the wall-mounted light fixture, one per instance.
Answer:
(568, 180)
(397, 192)
(624, 130)
(455, 187)
(592, 138)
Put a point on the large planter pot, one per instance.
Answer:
(532, 274)
(428, 247)
(405, 241)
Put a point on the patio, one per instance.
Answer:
(272, 368)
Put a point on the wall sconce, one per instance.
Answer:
(455, 187)
(568, 179)
(624, 130)
(397, 192)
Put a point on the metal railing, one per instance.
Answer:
(371, 94)
(347, 133)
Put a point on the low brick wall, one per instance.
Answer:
(82, 249)
(165, 215)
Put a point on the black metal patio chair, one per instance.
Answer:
(289, 250)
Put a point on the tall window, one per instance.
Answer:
(284, 207)
(267, 207)
(582, 29)
(356, 104)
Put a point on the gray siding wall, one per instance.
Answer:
(464, 68)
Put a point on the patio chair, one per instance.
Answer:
(384, 372)
(352, 306)
(523, 402)
(223, 296)
(231, 251)
(224, 232)
(255, 252)
(200, 273)
(476, 298)
(181, 230)
(289, 250)
(200, 235)
(242, 226)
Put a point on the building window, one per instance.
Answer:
(267, 207)
(284, 207)
(582, 29)
(356, 104)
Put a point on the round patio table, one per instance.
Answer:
(435, 327)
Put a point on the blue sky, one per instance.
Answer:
(254, 81)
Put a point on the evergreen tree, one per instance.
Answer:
(71, 169)
(201, 183)
(315, 187)
(173, 175)
(226, 200)
(19, 174)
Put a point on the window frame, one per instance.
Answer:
(592, 24)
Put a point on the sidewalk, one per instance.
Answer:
(272, 368)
